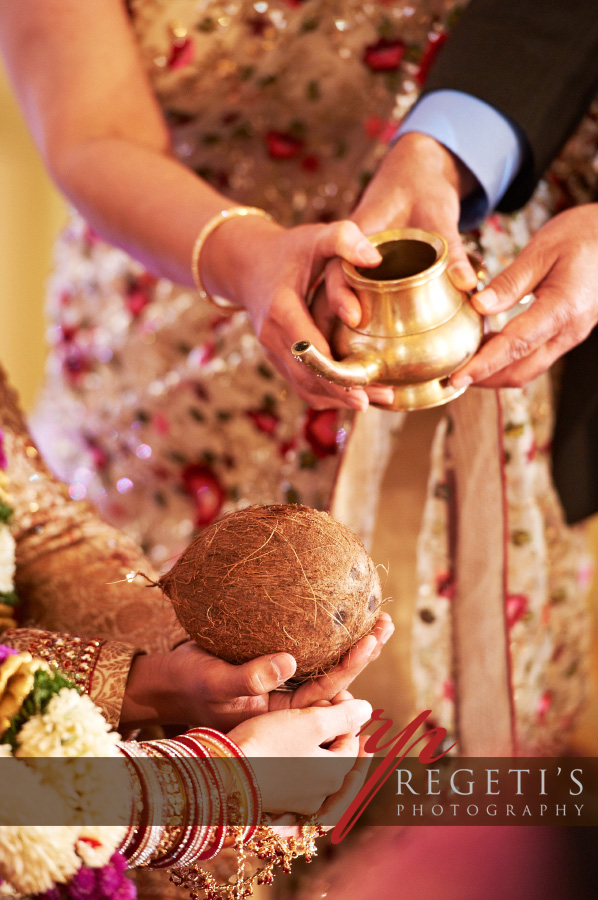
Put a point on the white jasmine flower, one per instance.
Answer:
(7, 560)
(71, 726)
(97, 844)
(35, 857)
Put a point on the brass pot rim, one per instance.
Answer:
(357, 279)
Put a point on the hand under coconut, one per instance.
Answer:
(276, 578)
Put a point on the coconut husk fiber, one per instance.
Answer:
(276, 578)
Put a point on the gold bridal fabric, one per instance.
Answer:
(71, 575)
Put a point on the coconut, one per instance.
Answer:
(276, 578)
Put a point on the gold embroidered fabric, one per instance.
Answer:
(77, 577)
(74, 572)
(100, 668)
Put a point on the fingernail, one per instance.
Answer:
(284, 665)
(461, 382)
(349, 315)
(462, 276)
(487, 300)
(373, 645)
(364, 710)
(358, 403)
(368, 252)
(381, 394)
(387, 637)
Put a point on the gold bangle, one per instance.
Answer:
(231, 212)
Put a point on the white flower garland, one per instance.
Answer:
(33, 859)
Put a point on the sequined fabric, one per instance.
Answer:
(76, 577)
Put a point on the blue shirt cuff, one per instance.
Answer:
(488, 143)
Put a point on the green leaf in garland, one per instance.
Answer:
(9, 598)
(5, 512)
(45, 686)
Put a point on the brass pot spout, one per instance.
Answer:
(355, 369)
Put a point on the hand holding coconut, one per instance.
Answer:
(275, 579)
(188, 686)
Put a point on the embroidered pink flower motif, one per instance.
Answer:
(182, 52)
(445, 585)
(384, 56)
(98, 454)
(161, 423)
(448, 689)
(282, 145)
(516, 608)
(207, 493)
(435, 41)
(310, 163)
(384, 131)
(544, 705)
(321, 429)
(373, 126)
(139, 293)
(264, 420)
(76, 363)
(202, 355)
(68, 333)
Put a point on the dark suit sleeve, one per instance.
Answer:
(536, 61)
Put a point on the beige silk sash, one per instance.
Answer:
(483, 697)
(481, 663)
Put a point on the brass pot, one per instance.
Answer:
(416, 328)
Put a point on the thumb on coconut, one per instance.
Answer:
(260, 675)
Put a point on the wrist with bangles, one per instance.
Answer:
(181, 806)
(192, 795)
(232, 212)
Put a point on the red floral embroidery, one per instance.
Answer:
(375, 127)
(445, 585)
(182, 52)
(76, 363)
(384, 56)
(207, 493)
(321, 429)
(264, 419)
(448, 689)
(139, 293)
(283, 146)
(161, 423)
(544, 705)
(516, 608)
(98, 454)
(310, 163)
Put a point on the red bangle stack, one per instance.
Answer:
(166, 832)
